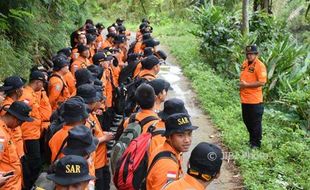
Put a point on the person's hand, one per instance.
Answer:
(4, 179)
(243, 84)
(108, 136)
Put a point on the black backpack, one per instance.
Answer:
(126, 75)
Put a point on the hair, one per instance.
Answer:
(145, 96)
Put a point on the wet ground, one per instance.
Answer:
(229, 178)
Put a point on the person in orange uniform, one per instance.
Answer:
(74, 114)
(71, 172)
(178, 139)
(81, 40)
(16, 114)
(82, 61)
(171, 106)
(120, 49)
(81, 142)
(150, 68)
(108, 43)
(204, 166)
(13, 89)
(91, 43)
(161, 88)
(253, 77)
(58, 91)
(92, 98)
(31, 131)
(100, 39)
(145, 97)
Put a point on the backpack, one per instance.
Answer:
(132, 168)
(126, 73)
(132, 131)
(132, 47)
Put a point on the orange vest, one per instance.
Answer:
(45, 109)
(70, 80)
(147, 74)
(79, 63)
(58, 91)
(9, 159)
(255, 72)
(186, 182)
(164, 169)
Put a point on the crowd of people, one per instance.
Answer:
(69, 119)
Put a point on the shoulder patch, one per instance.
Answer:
(58, 87)
(171, 175)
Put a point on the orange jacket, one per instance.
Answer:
(57, 140)
(31, 130)
(45, 109)
(138, 47)
(58, 91)
(107, 80)
(147, 74)
(165, 169)
(70, 80)
(186, 182)
(74, 53)
(106, 43)
(255, 72)
(115, 72)
(79, 63)
(16, 133)
(99, 41)
(140, 116)
(101, 151)
(92, 52)
(9, 159)
(137, 70)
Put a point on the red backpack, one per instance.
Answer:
(131, 169)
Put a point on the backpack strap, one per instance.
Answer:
(60, 149)
(147, 120)
(161, 155)
(4, 106)
(158, 132)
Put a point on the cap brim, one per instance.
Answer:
(108, 58)
(189, 128)
(68, 181)
(6, 88)
(18, 116)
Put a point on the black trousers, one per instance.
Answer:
(33, 164)
(103, 178)
(252, 115)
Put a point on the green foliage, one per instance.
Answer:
(31, 32)
(283, 160)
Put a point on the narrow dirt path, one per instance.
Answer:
(229, 178)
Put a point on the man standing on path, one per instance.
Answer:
(252, 78)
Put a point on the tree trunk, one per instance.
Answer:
(245, 17)
(211, 3)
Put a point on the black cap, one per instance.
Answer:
(82, 48)
(145, 20)
(119, 39)
(109, 35)
(251, 49)
(65, 51)
(95, 70)
(38, 75)
(206, 158)
(59, 62)
(90, 38)
(88, 93)
(119, 20)
(74, 110)
(91, 30)
(172, 106)
(83, 76)
(146, 36)
(149, 62)
(100, 26)
(70, 170)
(121, 29)
(108, 56)
(98, 57)
(143, 25)
(80, 142)
(179, 122)
(148, 51)
(12, 83)
(151, 42)
(20, 110)
(159, 85)
(161, 54)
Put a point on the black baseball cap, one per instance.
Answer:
(206, 158)
(98, 57)
(149, 62)
(74, 110)
(12, 83)
(119, 39)
(100, 26)
(151, 42)
(70, 170)
(148, 51)
(179, 122)
(20, 110)
(159, 85)
(90, 38)
(161, 54)
(80, 142)
(59, 62)
(83, 76)
(65, 51)
(82, 47)
(37, 75)
(88, 92)
(119, 20)
(172, 106)
(251, 49)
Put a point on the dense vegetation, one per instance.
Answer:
(209, 46)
